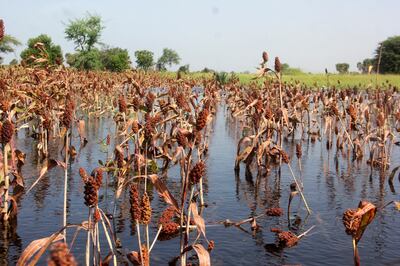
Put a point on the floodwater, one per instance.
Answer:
(330, 188)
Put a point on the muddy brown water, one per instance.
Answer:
(330, 188)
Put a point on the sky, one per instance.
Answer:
(224, 35)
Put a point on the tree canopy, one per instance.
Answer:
(115, 59)
(342, 68)
(42, 47)
(84, 32)
(112, 59)
(144, 59)
(390, 55)
(168, 58)
(7, 45)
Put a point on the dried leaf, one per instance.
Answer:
(198, 220)
(367, 211)
(202, 254)
(81, 130)
(397, 205)
(164, 192)
(51, 163)
(35, 246)
(134, 258)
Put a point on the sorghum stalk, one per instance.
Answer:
(6, 181)
(65, 184)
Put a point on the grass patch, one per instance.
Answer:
(317, 80)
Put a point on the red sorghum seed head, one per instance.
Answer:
(197, 172)
(60, 255)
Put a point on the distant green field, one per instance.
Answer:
(347, 80)
(320, 80)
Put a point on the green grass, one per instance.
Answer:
(319, 80)
(345, 80)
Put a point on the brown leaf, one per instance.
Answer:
(198, 220)
(202, 254)
(134, 258)
(164, 192)
(51, 163)
(81, 130)
(35, 246)
(397, 204)
(367, 211)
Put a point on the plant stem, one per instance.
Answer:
(155, 238)
(139, 242)
(65, 184)
(87, 257)
(299, 188)
(6, 182)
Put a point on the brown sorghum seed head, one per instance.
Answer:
(46, 121)
(265, 57)
(135, 127)
(135, 202)
(170, 228)
(299, 150)
(202, 119)
(380, 120)
(259, 106)
(5, 105)
(7, 131)
(278, 66)
(119, 157)
(167, 215)
(182, 103)
(83, 174)
(146, 209)
(351, 110)
(181, 139)
(60, 255)
(98, 175)
(90, 191)
(211, 245)
(150, 97)
(68, 115)
(136, 103)
(145, 254)
(351, 222)
(122, 104)
(285, 157)
(96, 215)
(197, 172)
(268, 112)
(287, 239)
(274, 211)
(2, 29)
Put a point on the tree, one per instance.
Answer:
(115, 59)
(184, 69)
(366, 65)
(7, 45)
(342, 68)
(144, 59)
(169, 57)
(389, 53)
(84, 32)
(13, 62)
(85, 60)
(42, 46)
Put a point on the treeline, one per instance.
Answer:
(89, 54)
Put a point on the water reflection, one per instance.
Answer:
(333, 181)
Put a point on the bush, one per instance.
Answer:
(42, 47)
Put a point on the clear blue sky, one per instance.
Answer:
(224, 35)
